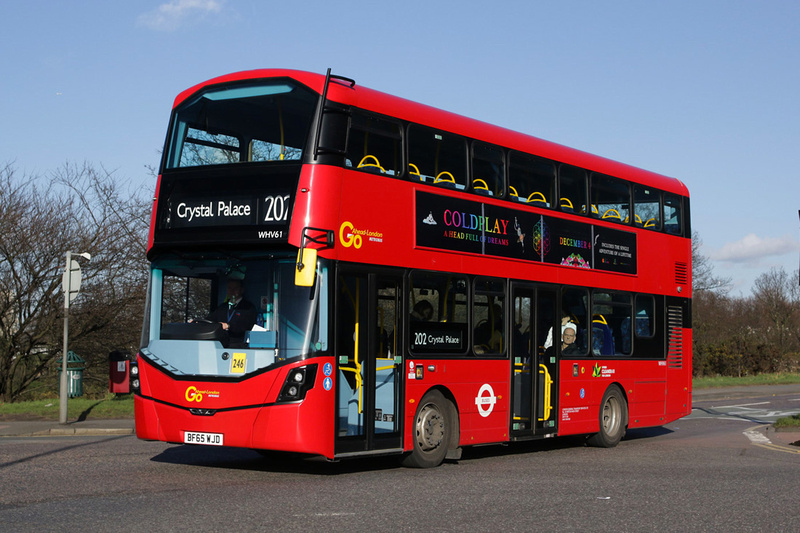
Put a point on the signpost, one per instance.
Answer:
(70, 284)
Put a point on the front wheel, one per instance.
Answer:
(432, 432)
(613, 419)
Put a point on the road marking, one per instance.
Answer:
(740, 405)
(761, 440)
(756, 437)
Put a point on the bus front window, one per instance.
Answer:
(265, 121)
(201, 309)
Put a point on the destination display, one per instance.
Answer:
(460, 225)
(268, 209)
(438, 337)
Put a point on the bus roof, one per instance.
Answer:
(401, 108)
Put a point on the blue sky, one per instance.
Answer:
(704, 91)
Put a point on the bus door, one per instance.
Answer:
(368, 363)
(534, 368)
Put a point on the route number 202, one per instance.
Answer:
(420, 339)
(276, 208)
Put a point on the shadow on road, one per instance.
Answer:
(244, 459)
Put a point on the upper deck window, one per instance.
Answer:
(611, 199)
(647, 207)
(572, 189)
(374, 145)
(437, 157)
(488, 169)
(531, 180)
(672, 214)
(264, 121)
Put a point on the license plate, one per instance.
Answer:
(196, 437)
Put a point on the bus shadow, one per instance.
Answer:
(265, 461)
(552, 444)
(292, 463)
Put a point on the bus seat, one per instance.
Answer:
(566, 205)
(480, 186)
(625, 332)
(612, 213)
(370, 164)
(602, 338)
(537, 199)
(512, 192)
(413, 171)
(445, 178)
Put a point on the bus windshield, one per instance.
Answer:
(205, 311)
(254, 122)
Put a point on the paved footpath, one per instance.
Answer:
(51, 428)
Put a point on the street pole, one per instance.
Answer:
(71, 284)
(62, 409)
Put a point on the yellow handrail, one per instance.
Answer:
(537, 197)
(548, 382)
(439, 178)
(376, 164)
(477, 182)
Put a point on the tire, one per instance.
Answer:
(432, 431)
(613, 419)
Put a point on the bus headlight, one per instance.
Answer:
(134, 377)
(299, 381)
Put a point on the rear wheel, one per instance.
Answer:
(613, 419)
(432, 431)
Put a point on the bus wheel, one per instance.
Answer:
(432, 432)
(613, 419)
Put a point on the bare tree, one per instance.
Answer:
(82, 209)
(703, 277)
(776, 316)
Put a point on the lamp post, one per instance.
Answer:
(71, 284)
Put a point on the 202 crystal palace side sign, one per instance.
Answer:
(474, 227)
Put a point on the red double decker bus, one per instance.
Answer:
(340, 272)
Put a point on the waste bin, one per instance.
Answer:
(75, 367)
(119, 365)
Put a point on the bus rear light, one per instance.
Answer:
(298, 382)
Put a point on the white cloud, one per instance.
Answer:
(752, 248)
(171, 15)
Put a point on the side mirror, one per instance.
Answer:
(306, 267)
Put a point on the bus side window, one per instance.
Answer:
(531, 180)
(437, 157)
(572, 189)
(672, 214)
(611, 323)
(488, 169)
(374, 145)
(437, 313)
(647, 207)
(574, 306)
(611, 199)
(488, 317)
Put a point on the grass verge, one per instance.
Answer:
(112, 406)
(790, 423)
(782, 378)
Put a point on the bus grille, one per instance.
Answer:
(681, 273)
(675, 325)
